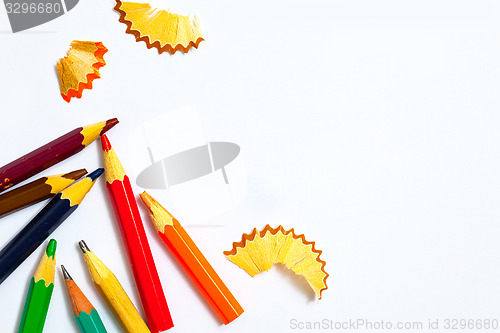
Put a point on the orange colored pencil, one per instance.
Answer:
(193, 261)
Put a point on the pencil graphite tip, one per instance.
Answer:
(112, 165)
(147, 199)
(106, 145)
(76, 192)
(51, 248)
(83, 246)
(65, 273)
(77, 174)
(95, 174)
(109, 124)
(159, 215)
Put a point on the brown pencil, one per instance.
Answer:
(36, 191)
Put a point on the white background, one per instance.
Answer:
(370, 126)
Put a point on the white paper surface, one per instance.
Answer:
(369, 126)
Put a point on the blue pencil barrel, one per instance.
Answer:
(34, 234)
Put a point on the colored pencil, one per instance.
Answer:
(36, 191)
(44, 223)
(51, 153)
(193, 261)
(86, 315)
(111, 290)
(135, 240)
(39, 292)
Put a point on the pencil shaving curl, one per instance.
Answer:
(81, 67)
(260, 250)
(162, 43)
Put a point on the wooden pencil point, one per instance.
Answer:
(94, 175)
(112, 165)
(51, 248)
(77, 192)
(105, 144)
(109, 124)
(65, 273)
(159, 215)
(83, 246)
(75, 175)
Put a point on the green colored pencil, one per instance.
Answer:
(86, 315)
(39, 292)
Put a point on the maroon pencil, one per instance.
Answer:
(52, 153)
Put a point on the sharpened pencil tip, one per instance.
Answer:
(109, 124)
(83, 246)
(65, 273)
(147, 199)
(106, 145)
(51, 249)
(95, 174)
(75, 174)
(159, 215)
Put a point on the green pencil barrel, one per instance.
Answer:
(90, 323)
(36, 307)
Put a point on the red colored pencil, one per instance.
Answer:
(51, 153)
(135, 240)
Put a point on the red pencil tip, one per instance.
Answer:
(109, 124)
(106, 145)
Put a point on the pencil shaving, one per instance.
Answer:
(260, 250)
(161, 29)
(80, 68)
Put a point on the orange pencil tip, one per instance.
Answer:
(106, 145)
(147, 199)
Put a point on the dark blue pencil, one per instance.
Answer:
(44, 223)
